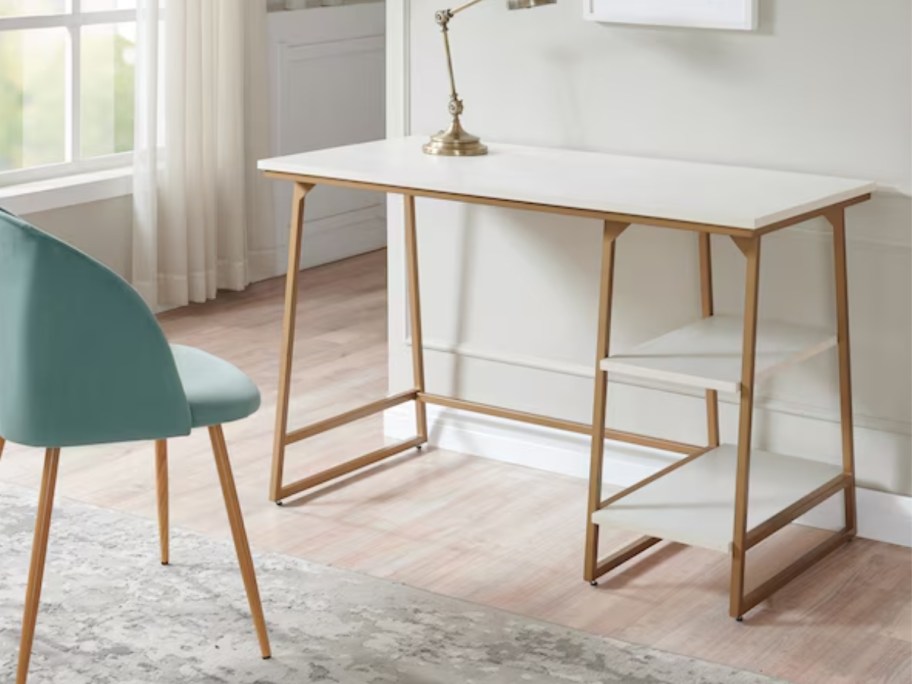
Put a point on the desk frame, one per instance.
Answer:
(748, 241)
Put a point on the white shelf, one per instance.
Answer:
(694, 504)
(707, 354)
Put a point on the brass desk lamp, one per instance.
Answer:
(455, 141)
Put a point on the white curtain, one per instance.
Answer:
(201, 124)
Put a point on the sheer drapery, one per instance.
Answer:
(201, 124)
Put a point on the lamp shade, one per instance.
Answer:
(528, 4)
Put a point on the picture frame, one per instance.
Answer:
(738, 15)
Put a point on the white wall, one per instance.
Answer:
(510, 298)
(102, 229)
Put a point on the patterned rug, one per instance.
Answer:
(112, 614)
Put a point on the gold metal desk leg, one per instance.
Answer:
(751, 249)
(414, 296)
(610, 233)
(706, 296)
(837, 220)
(278, 489)
(288, 337)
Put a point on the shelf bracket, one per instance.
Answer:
(747, 245)
(613, 229)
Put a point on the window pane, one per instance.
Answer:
(29, 8)
(106, 5)
(106, 89)
(32, 97)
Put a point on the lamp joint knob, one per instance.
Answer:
(456, 106)
(442, 17)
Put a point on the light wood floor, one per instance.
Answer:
(471, 528)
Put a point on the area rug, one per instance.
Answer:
(112, 614)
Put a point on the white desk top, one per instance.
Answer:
(730, 196)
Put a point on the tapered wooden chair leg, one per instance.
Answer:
(241, 544)
(36, 569)
(2, 444)
(161, 492)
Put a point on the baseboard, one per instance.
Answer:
(881, 516)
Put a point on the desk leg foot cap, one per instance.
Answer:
(593, 583)
(280, 503)
(740, 618)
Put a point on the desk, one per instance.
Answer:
(711, 497)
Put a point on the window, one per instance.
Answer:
(66, 87)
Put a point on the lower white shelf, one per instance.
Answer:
(694, 504)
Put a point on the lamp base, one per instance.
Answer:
(455, 142)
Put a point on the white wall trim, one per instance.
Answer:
(398, 69)
(881, 516)
(67, 191)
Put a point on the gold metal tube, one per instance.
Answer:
(449, 59)
(460, 8)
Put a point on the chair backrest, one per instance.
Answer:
(82, 358)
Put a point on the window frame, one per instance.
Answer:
(72, 19)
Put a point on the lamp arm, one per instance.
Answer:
(453, 12)
(442, 18)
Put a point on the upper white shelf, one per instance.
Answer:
(730, 196)
(694, 504)
(707, 354)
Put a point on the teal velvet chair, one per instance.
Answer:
(83, 361)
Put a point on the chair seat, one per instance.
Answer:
(216, 390)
